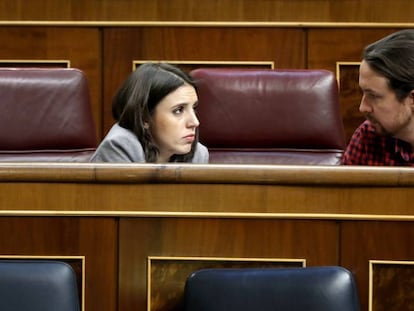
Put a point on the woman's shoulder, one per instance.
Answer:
(201, 154)
(118, 132)
(119, 145)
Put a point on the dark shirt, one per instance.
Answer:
(368, 148)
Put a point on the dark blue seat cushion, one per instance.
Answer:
(271, 289)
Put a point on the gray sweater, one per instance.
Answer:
(122, 146)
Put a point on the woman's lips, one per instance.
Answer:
(189, 138)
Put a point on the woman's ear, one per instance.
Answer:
(146, 125)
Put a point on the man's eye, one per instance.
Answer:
(373, 96)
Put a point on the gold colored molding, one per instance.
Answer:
(203, 24)
(238, 215)
(235, 259)
(46, 62)
(210, 63)
(61, 258)
(338, 69)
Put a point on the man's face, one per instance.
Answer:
(379, 104)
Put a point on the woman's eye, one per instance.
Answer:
(178, 110)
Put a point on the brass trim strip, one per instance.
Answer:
(338, 69)
(392, 262)
(242, 215)
(182, 258)
(271, 64)
(204, 24)
(37, 61)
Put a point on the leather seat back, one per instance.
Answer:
(270, 116)
(38, 285)
(269, 289)
(45, 115)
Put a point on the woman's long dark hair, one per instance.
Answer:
(134, 103)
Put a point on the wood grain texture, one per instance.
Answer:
(120, 215)
(213, 10)
(166, 276)
(326, 47)
(94, 238)
(229, 238)
(106, 53)
(80, 46)
(364, 241)
(350, 97)
(204, 190)
(123, 46)
(393, 280)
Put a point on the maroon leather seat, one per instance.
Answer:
(254, 116)
(45, 115)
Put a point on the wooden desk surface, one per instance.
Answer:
(142, 228)
(250, 191)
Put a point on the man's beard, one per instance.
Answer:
(382, 131)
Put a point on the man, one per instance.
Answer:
(386, 78)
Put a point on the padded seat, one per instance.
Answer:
(250, 116)
(271, 289)
(37, 285)
(45, 115)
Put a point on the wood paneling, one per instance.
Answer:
(391, 285)
(364, 241)
(123, 46)
(262, 191)
(166, 276)
(94, 238)
(212, 10)
(118, 216)
(349, 96)
(80, 46)
(325, 215)
(107, 52)
(326, 48)
(216, 238)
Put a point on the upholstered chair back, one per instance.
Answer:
(268, 289)
(45, 115)
(38, 285)
(252, 116)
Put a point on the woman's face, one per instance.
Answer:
(174, 122)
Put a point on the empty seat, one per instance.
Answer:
(37, 285)
(45, 115)
(252, 116)
(271, 289)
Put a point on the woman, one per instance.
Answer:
(156, 119)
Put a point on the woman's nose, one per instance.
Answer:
(193, 120)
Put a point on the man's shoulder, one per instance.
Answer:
(366, 127)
